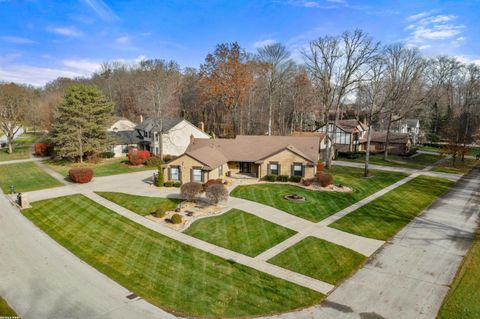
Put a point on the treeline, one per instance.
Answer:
(267, 92)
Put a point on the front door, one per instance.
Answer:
(245, 167)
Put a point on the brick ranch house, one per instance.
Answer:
(255, 156)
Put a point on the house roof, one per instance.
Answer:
(350, 125)
(124, 137)
(152, 124)
(411, 122)
(251, 148)
(394, 138)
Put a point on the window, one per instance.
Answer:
(273, 168)
(175, 173)
(220, 171)
(197, 175)
(297, 169)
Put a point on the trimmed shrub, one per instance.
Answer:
(282, 178)
(295, 179)
(216, 193)
(271, 178)
(159, 178)
(159, 213)
(136, 157)
(168, 184)
(176, 219)
(324, 179)
(177, 184)
(191, 190)
(107, 155)
(169, 158)
(308, 181)
(320, 166)
(80, 175)
(40, 149)
(211, 182)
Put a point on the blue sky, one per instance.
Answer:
(43, 39)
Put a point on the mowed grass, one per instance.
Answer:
(177, 277)
(385, 216)
(416, 162)
(21, 147)
(107, 167)
(239, 231)
(472, 151)
(319, 205)
(459, 167)
(142, 205)
(462, 300)
(320, 259)
(5, 310)
(25, 177)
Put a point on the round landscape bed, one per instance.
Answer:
(294, 198)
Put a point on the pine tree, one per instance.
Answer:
(80, 122)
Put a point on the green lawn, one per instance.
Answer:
(459, 167)
(417, 162)
(386, 215)
(239, 231)
(319, 205)
(107, 167)
(26, 177)
(21, 147)
(179, 278)
(320, 259)
(141, 205)
(5, 310)
(462, 300)
(472, 151)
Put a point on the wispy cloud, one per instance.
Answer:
(426, 29)
(66, 31)
(18, 40)
(262, 43)
(81, 66)
(101, 9)
(122, 40)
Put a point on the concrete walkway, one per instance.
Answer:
(410, 276)
(31, 159)
(425, 171)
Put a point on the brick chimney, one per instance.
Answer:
(202, 126)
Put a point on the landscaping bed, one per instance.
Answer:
(319, 205)
(385, 216)
(320, 259)
(239, 231)
(25, 177)
(179, 278)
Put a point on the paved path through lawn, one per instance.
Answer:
(32, 159)
(410, 276)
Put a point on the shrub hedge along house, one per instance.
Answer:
(247, 155)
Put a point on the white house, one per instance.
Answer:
(175, 135)
(123, 136)
(410, 126)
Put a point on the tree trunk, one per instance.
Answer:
(9, 142)
(270, 114)
(80, 146)
(367, 151)
(387, 137)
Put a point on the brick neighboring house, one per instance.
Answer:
(399, 143)
(255, 156)
(349, 136)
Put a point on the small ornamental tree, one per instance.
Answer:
(136, 157)
(211, 182)
(191, 190)
(216, 193)
(160, 179)
(320, 166)
(324, 179)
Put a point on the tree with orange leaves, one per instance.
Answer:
(225, 78)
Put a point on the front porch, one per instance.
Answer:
(244, 170)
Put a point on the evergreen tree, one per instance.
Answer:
(80, 122)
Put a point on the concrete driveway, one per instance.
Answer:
(409, 277)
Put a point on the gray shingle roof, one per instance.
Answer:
(151, 124)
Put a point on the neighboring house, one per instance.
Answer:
(123, 136)
(255, 156)
(175, 135)
(399, 143)
(349, 135)
(410, 126)
(325, 142)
